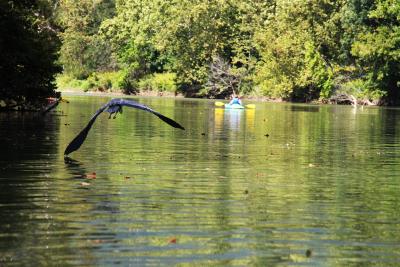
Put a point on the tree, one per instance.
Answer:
(83, 51)
(377, 50)
(28, 45)
(130, 34)
(222, 80)
(353, 21)
(296, 50)
(198, 32)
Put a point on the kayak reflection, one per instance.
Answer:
(232, 119)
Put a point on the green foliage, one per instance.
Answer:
(282, 58)
(201, 31)
(97, 81)
(130, 34)
(28, 45)
(65, 81)
(83, 51)
(281, 49)
(183, 37)
(361, 89)
(292, 65)
(353, 21)
(378, 49)
(159, 82)
(316, 76)
(124, 82)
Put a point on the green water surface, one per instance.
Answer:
(280, 185)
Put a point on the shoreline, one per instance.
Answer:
(332, 101)
(103, 93)
(37, 106)
(163, 94)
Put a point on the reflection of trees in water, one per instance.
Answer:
(232, 191)
(303, 108)
(348, 181)
(27, 136)
(40, 207)
(28, 145)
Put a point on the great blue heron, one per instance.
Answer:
(114, 106)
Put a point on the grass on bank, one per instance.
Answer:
(118, 82)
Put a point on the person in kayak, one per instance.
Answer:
(235, 100)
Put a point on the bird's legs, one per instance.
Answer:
(119, 110)
(114, 110)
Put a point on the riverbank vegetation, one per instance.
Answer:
(28, 46)
(324, 50)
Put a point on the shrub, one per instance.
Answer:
(362, 89)
(159, 82)
(64, 81)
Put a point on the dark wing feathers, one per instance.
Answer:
(169, 121)
(80, 138)
(133, 104)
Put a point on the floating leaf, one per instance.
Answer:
(90, 175)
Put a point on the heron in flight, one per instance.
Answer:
(114, 106)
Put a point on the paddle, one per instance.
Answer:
(221, 104)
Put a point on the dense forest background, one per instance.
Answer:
(295, 50)
(29, 48)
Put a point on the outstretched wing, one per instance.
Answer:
(78, 140)
(134, 104)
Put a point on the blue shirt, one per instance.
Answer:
(235, 100)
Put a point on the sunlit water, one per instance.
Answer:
(280, 185)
